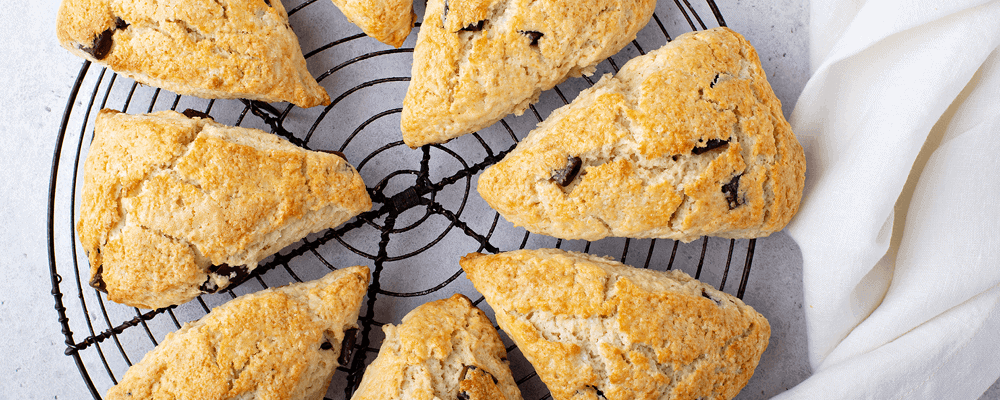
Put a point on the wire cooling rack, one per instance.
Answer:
(425, 213)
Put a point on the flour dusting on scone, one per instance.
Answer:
(174, 207)
(233, 49)
(282, 343)
(684, 142)
(388, 21)
(478, 60)
(445, 349)
(594, 328)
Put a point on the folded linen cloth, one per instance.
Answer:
(900, 221)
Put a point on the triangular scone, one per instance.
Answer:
(594, 328)
(282, 343)
(211, 49)
(686, 141)
(444, 349)
(173, 206)
(388, 21)
(478, 60)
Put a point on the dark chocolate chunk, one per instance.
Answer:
(97, 281)
(711, 145)
(444, 16)
(730, 190)
(191, 113)
(347, 346)
(235, 274)
(534, 35)
(268, 2)
(326, 346)
(476, 27)
(566, 175)
(463, 396)
(714, 81)
(209, 286)
(102, 43)
(600, 394)
(465, 371)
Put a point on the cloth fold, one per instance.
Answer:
(899, 225)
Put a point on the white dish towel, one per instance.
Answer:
(900, 222)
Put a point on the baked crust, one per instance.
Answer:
(444, 349)
(686, 141)
(594, 328)
(173, 206)
(484, 59)
(279, 343)
(211, 49)
(388, 21)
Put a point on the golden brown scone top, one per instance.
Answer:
(171, 205)
(388, 21)
(686, 141)
(594, 327)
(205, 48)
(477, 61)
(275, 344)
(444, 349)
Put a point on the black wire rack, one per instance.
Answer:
(425, 213)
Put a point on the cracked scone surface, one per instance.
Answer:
(478, 60)
(206, 48)
(445, 349)
(388, 21)
(594, 328)
(173, 206)
(686, 141)
(281, 343)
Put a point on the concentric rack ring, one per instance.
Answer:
(425, 214)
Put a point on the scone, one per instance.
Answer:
(445, 349)
(173, 207)
(594, 328)
(282, 343)
(686, 141)
(388, 21)
(211, 49)
(478, 60)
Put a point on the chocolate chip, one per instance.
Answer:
(191, 113)
(102, 43)
(712, 144)
(209, 286)
(444, 16)
(326, 346)
(599, 393)
(563, 177)
(97, 281)
(465, 371)
(347, 346)
(534, 35)
(235, 274)
(268, 2)
(714, 81)
(476, 27)
(730, 190)
(463, 396)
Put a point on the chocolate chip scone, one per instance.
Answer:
(594, 328)
(212, 49)
(686, 141)
(173, 207)
(444, 349)
(388, 21)
(282, 343)
(478, 60)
